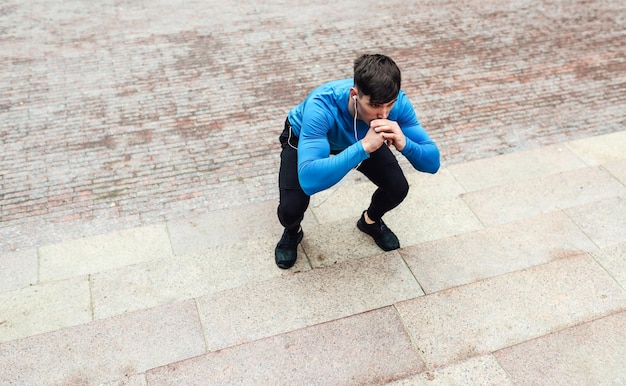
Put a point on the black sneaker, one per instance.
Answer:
(383, 236)
(286, 251)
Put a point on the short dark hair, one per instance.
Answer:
(378, 76)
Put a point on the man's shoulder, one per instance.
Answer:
(323, 104)
(326, 98)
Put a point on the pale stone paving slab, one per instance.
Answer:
(528, 198)
(368, 348)
(348, 201)
(479, 318)
(345, 202)
(419, 220)
(263, 309)
(510, 168)
(484, 370)
(332, 243)
(489, 252)
(106, 350)
(600, 149)
(228, 226)
(617, 169)
(414, 222)
(603, 221)
(425, 187)
(44, 307)
(183, 277)
(133, 380)
(613, 259)
(588, 354)
(18, 269)
(99, 253)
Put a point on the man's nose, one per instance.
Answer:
(383, 113)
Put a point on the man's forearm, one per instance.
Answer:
(319, 174)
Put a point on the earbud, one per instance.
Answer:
(354, 97)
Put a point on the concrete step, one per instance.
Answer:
(498, 255)
(446, 328)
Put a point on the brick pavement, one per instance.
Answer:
(116, 114)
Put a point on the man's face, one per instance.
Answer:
(369, 111)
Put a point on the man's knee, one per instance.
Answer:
(400, 189)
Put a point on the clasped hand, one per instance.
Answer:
(383, 131)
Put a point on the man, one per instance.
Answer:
(349, 124)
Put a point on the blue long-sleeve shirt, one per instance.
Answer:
(325, 126)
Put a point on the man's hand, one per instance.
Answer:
(390, 131)
(372, 141)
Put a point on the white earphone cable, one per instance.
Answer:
(289, 140)
(356, 113)
(356, 138)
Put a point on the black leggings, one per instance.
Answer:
(381, 168)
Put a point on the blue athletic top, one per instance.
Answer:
(324, 126)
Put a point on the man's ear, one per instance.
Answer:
(353, 92)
